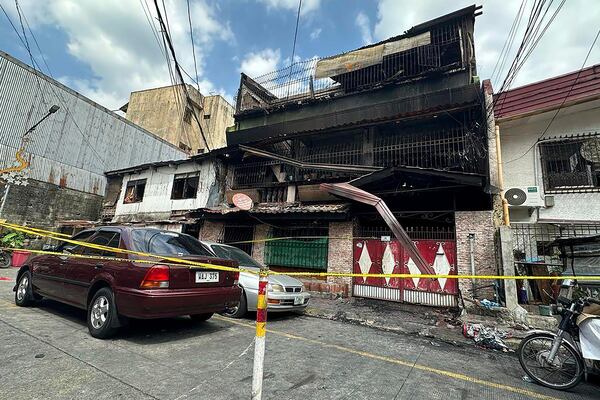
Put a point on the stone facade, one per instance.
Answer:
(481, 224)
(340, 257)
(211, 231)
(43, 204)
(261, 232)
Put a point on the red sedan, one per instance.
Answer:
(113, 291)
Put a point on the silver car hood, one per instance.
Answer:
(250, 280)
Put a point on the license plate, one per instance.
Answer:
(298, 300)
(206, 277)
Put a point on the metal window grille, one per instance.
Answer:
(306, 248)
(415, 232)
(571, 164)
(234, 234)
(532, 242)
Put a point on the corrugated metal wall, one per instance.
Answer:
(77, 144)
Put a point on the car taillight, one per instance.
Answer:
(236, 277)
(157, 277)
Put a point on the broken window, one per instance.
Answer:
(571, 164)
(134, 193)
(185, 186)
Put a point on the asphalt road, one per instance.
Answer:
(46, 353)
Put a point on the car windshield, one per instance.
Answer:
(233, 253)
(156, 241)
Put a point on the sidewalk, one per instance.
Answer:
(436, 323)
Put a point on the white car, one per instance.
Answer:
(284, 292)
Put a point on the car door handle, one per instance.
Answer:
(99, 265)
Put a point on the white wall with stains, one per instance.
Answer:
(523, 167)
(157, 204)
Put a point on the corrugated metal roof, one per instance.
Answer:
(549, 94)
(74, 146)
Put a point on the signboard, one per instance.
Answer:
(242, 201)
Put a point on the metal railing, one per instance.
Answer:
(298, 82)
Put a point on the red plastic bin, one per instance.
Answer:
(19, 257)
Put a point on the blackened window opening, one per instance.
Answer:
(185, 186)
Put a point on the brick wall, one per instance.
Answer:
(340, 252)
(480, 223)
(211, 231)
(258, 248)
(42, 204)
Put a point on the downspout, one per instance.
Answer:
(505, 215)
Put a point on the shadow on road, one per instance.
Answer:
(153, 331)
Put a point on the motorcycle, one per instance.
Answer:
(558, 360)
(5, 259)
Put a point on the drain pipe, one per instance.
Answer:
(472, 256)
(505, 214)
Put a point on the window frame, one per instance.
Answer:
(576, 160)
(185, 177)
(135, 184)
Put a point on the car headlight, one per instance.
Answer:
(273, 287)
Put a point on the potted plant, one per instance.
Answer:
(15, 240)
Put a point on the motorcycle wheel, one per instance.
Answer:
(5, 260)
(564, 373)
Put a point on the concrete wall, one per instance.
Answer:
(261, 232)
(161, 111)
(157, 204)
(221, 117)
(522, 166)
(481, 224)
(211, 231)
(42, 204)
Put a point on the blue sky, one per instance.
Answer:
(106, 49)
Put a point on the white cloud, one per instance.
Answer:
(114, 39)
(315, 33)
(255, 64)
(561, 50)
(307, 5)
(364, 25)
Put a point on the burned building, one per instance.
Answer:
(405, 119)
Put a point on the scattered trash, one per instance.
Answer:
(488, 304)
(434, 344)
(527, 379)
(490, 338)
(41, 355)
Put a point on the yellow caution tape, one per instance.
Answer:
(195, 264)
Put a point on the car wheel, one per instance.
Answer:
(239, 311)
(24, 295)
(102, 314)
(201, 317)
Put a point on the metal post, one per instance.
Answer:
(261, 330)
(4, 197)
(472, 256)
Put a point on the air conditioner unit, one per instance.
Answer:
(524, 196)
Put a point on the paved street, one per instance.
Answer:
(47, 353)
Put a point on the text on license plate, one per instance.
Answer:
(207, 277)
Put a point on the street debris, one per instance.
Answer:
(490, 338)
(489, 304)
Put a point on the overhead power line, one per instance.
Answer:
(192, 40)
(563, 101)
(179, 76)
